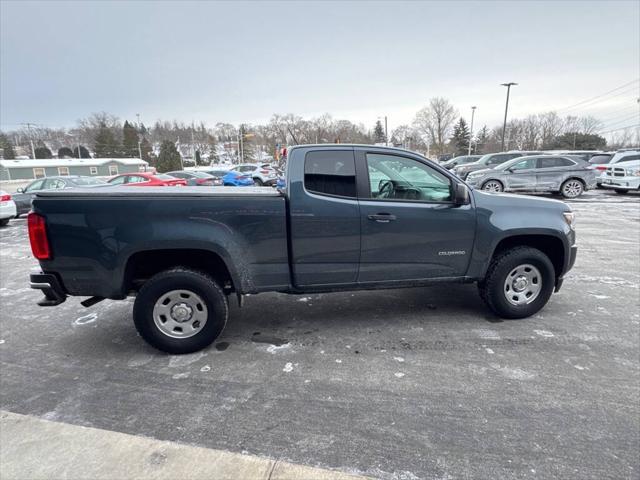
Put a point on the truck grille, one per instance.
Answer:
(615, 172)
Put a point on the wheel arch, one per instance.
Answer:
(551, 245)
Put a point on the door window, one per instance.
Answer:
(399, 178)
(54, 183)
(34, 186)
(330, 173)
(136, 179)
(524, 164)
(552, 162)
(118, 180)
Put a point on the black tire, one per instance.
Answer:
(258, 182)
(4, 222)
(622, 191)
(492, 288)
(570, 193)
(179, 278)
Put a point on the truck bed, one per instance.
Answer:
(94, 233)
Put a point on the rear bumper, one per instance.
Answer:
(54, 293)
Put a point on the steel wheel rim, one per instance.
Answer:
(492, 186)
(523, 285)
(180, 314)
(572, 188)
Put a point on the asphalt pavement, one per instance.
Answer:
(398, 384)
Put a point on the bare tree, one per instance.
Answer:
(436, 122)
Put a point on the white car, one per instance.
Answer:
(621, 156)
(7, 208)
(623, 176)
(262, 173)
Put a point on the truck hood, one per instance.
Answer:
(519, 203)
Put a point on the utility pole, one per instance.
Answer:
(241, 145)
(506, 108)
(473, 111)
(386, 133)
(33, 150)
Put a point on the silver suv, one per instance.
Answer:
(489, 160)
(569, 176)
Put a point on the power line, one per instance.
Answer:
(621, 128)
(589, 100)
(626, 119)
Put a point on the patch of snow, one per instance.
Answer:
(178, 376)
(399, 374)
(206, 368)
(398, 359)
(288, 367)
(86, 319)
(544, 333)
(273, 349)
(338, 360)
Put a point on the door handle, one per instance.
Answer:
(382, 217)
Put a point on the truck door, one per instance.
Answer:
(325, 217)
(411, 229)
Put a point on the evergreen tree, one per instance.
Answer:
(247, 145)
(481, 140)
(8, 153)
(147, 151)
(378, 133)
(65, 152)
(578, 141)
(129, 141)
(461, 137)
(43, 152)
(105, 143)
(169, 158)
(84, 153)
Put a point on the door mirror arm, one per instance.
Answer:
(460, 194)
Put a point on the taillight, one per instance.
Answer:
(265, 172)
(602, 168)
(242, 177)
(5, 198)
(38, 236)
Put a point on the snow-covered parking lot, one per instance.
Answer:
(414, 383)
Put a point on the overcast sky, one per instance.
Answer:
(243, 61)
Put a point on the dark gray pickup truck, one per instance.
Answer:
(351, 217)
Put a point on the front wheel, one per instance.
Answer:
(180, 311)
(518, 282)
(572, 188)
(4, 222)
(622, 191)
(493, 186)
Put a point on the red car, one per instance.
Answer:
(145, 179)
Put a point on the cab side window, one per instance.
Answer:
(136, 179)
(399, 178)
(330, 173)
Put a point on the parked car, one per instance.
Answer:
(183, 253)
(599, 162)
(568, 176)
(231, 178)
(489, 160)
(7, 208)
(145, 179)
(461, 160)
(623, 176)
(24, 196)
(621, 156)
(197, 178)
(585, 155)
(262, 174)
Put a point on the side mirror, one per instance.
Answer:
(460, 194)
(20, 190)
(510, 170)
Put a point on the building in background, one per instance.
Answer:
(91, 167)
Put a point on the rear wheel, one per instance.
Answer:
(493, 186)
(180, 311)
(518, 282)
(258, 182)
(572, 188)
(622, 191)
(4, 222)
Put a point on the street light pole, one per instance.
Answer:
(386, 133)
(473, 111)
(506, 108)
